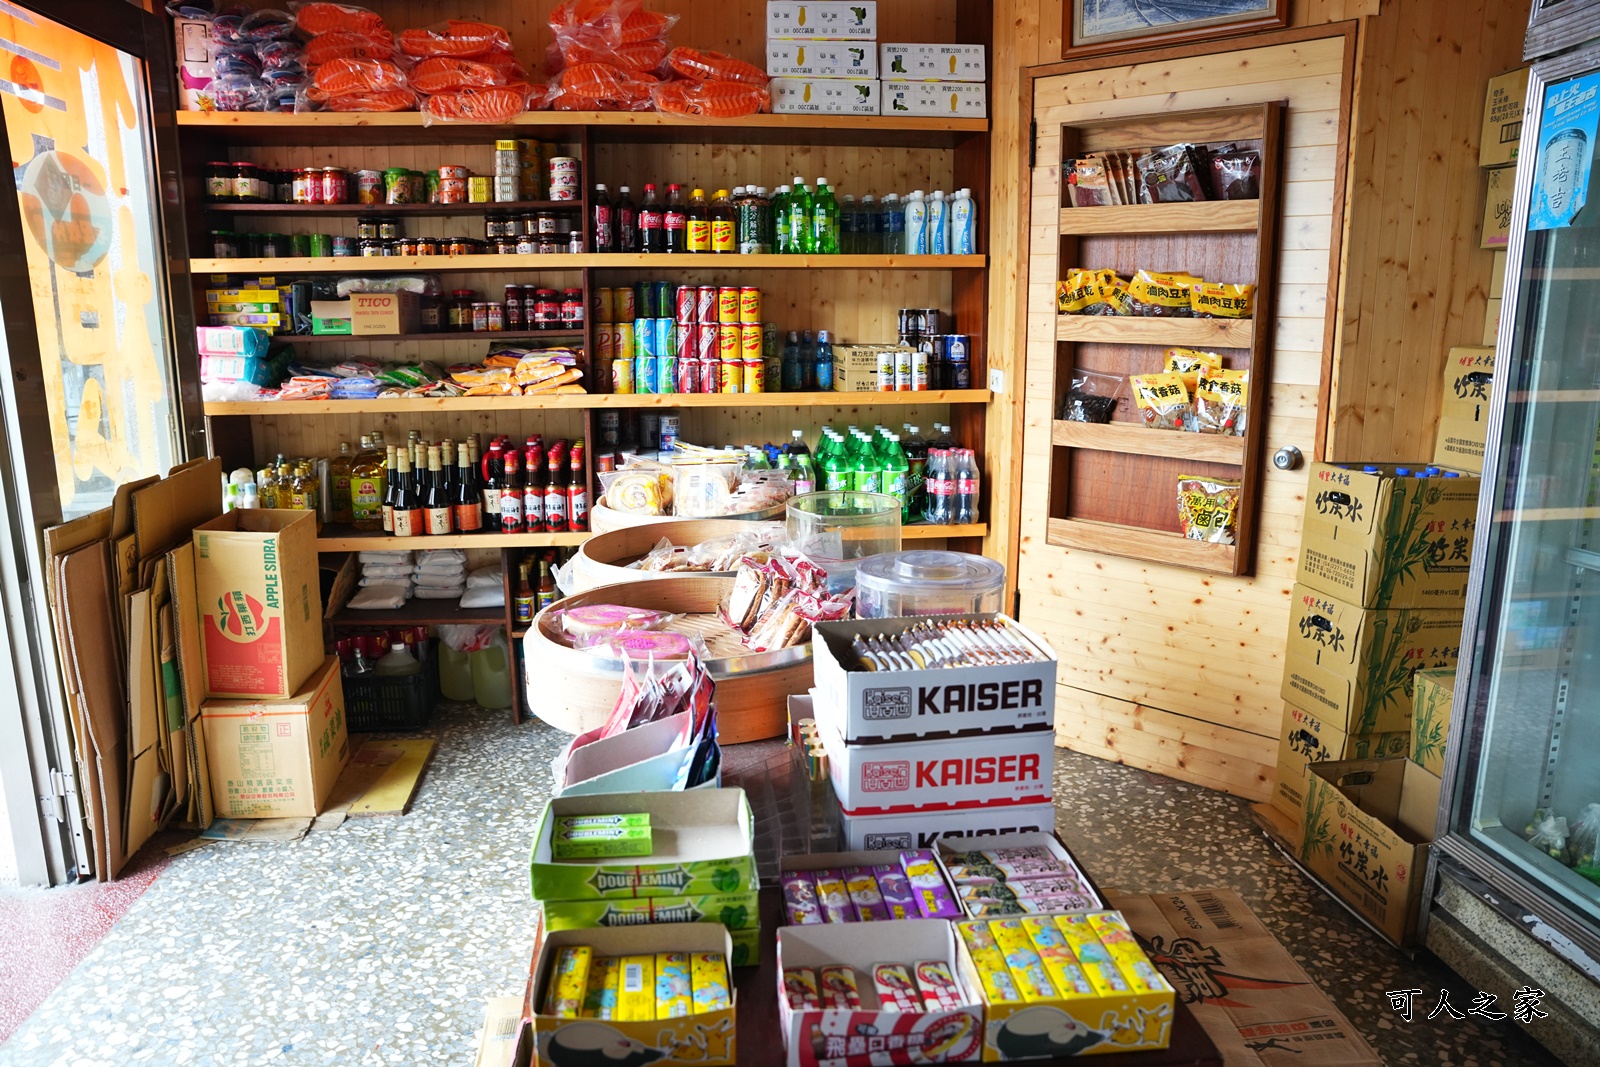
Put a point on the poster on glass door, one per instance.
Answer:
(1566, 149)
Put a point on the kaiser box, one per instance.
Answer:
(1432, 693)
(1306, 739)
(1502, 118)
(865, 705)
(1351, 666)
(824, 96)
(1386, 541)
(279, 758)
(1365, 831)
(934, 62)
(1014, 767)
(1464, 407)
(965, 826)
(822, 59)
(260, 602)
(943, 98)
(857, 19)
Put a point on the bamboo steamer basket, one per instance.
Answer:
(575, 690)
(603, 558)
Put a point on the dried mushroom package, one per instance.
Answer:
(1221, 400)
(1191, 364)
(1163, 400)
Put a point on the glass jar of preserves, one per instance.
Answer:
(405, 246)
(460, 246)
(284, 186)
(494, 227)
(549, 245)
(480, 317)
(388, 228)
(545, 222)
(219, 181)
(373, 246)
(307, 186)
(246, 182)
(527, 245)
(250, 245)
(427, 246)
(505, 246)
(497, 319)
(513, 307)
(546, 310)
(367, 228)
(224, 244)
(572, 309)
(274, 245)
(458, 313)
(335, 185)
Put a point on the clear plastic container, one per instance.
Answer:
(491, 674)
(455, 674)
(927, 583)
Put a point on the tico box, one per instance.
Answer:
(937, 774)
(1365, 835)
(1351, 666)
(255, 576)
(1388, 542)
(857, 19)
(901, 705)
(1307, 740)
(280, 758)
(1432, 693)
(707, 1039)
(702, 845)
(870, 1034)
(974, 827)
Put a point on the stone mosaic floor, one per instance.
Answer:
(377, 943)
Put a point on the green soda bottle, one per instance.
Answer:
(868, 467)
(797, 218)
(824, 220)
(895, 479)
(836, 467)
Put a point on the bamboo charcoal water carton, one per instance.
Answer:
(1306, 739)
(1464, 406)
(1383, 540)
(1432, 693)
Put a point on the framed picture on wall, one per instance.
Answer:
(1096, 26)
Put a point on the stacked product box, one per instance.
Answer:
(938, 726)
(693, 864)
(870, 886)
(822, 56)
(934, 80)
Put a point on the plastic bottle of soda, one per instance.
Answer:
(893, 232)
(676, 220)
(868, 467)
(935, 508)
(966, 488)
(849, 215)
(603, 215)
(824, 220)
(722, 223)
(916, 450)
(627, 221)
(794, 375)
(802, 241)
(896, 477)
(780, 221)
(837, 467)
(800, 461)
(808, 362)
(938, 224)
(822, 364)
(652, 222)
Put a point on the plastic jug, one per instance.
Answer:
(455, 674)
(491, 674)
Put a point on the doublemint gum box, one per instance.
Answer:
(739, 912)
(701, 846)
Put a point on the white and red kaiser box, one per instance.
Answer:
(940, 773)
(923, 829)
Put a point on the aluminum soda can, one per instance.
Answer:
(750, 341)
(754, 375)
(728, 304)
(710, 374)
(605, 305)
(749, 304)
(727, 343)
(886, 370)
(705, 341)
(688, 372)
(644, 297)
(919, 369)
(644, 338)
(958, 361)
(705, 304)
(683, 302)
(623, 304)
(661, 294)
(902, 368)
(605, 343)
(687, 336)
(622, 377)
(731, 376)
(625, 342)
(665, 344)
(644, 373)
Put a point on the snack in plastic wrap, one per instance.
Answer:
(603, 87)
(318, 17)
(1221, 402)
(1093, 397)
(635, 493)
(1162, 399)
(1219, 300)
(638, 644)
(1208, 508)
(1190, 364)
(714, 67)
(610, 618)
(712, 99)
(1583, 842)
(1236, 175)
(1547, 832)
(456, 39)
(345, 44)
(1155, 295)
(1170, 175)
(1089, 182)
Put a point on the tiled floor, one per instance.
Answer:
(378, 942)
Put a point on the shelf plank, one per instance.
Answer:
(412, 405)
(446, 335)
(1135, 439)
(1133, 542)
(1134, 330)
(1556, 396)
(418, 612)
(922, 531)
(334, 538)
(326, 127)
(223, 207)
(568, 261)
(1208, 216)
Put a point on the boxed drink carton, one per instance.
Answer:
(934, 62)
(866, 705)
(1351, 666)
(838, 1035)
(1432, 694)
(1499, 182)
(1387, 541)
(1307, 739)
(857, 19)
(963, 826)
(937, 774)
(279, 758)
(1502, 118)
(968, 100)
(1365, 831)
(1464, 407)
(822, 59)
(702, 845)
(260, 602)
(703, 1039)
(824, 96)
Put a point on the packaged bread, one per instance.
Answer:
(635, 492)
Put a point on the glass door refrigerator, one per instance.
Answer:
(1516, 879)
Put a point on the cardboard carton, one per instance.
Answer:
(260, 602)
(1498, 185)
(824, 96)
(821, 861)
(1365, 831)
(708, 1039)
(902, 705)
(969, 100)
(856, 19)
(822, 59)
(1432, 693)
(738, 913)
(1385, 541)
(1491, 319)
(1351, 666)
(950, 850)
(1306, 739)
(1502, 118)
(939, 774)
(934, 62)
(855, 367)
(1464, 407)
(702, 840)
(369, 314)
(836, 1035)
(279, 758)
(974, 826)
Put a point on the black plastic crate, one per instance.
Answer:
(373, 702)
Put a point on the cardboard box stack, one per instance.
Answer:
(822, 56)
(1432, 696)
(934, 79)
(1464, 407)
(1497, 152)
(919, 754)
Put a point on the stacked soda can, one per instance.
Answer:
(936, 360)
(662, 338)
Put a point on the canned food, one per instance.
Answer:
(427, 246)
(497, 316)
(369, 186)
(749, 304)
(388, 228)
(754, 375)
(627, 341)
(507, 159)
(494, 226)
(730, 376)
(728, 304)
(453, 170)
(624, 306)
(705, 341)
(452, 190)
(546, 310)
(705, 305)
(430, 187)
(683, 301)
(477, 189)
(622, 375)
(644, 373)
(335, 186)
(506, 246)
(564, 178)
(605, 462)
(367, 227)
(504, 190)
(902, 368)
(345, 246)
(688, 371)
(307, 187)
(542, 223)
(572, 309)
(417, 184)
(919, 369)
(958, 361)
(405, 246)
(513, 307)
(461, 246)
(667, 435)
(885, 370)
(600, 304)
(397, 186)
(300, 245)
(750, 341)
(528, 245)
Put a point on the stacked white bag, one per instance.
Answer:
(440, 574)
(386, 581)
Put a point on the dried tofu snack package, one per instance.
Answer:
(1191, 364)
(1221, 402)
(1078, 292)
(1156, 295)
(1091, 187)
(1208, 508)
(1217, 300)
(1162, 399)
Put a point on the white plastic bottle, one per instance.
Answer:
(964, 224)
(916, 224)
(938, 224)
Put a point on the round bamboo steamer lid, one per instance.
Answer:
(605, 520)
(574, 690)
(603, 558)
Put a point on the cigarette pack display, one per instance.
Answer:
(600, 841)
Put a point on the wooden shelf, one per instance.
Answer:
(566, 401)
(1211, 216)
(356, 210)
(394, 338)
(349, 539)
(1135, 439)
(418, 612)
(1134, 330)
(397, 128)
(922, 531)
(576, 261)
(1153, 546)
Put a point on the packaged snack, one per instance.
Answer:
(1059, 962)
(638, 644)
(1162, 399)
(1207, 508)
(834, 897)
(1236, 175)
(895, 889)
(1142, 976)
(1583, 839)
(999, 987)
(1170, 175)
(1093, 397)
(1547, 832)
(1221, 401)
(604, 618)
(800, 899)
(937, 985)
(674, 986)
(709, 971)
(836, 987)
(1152, 295)
(1089, 183)
(933, 896)
(636, 990)
(1219, 300)
(1092, 956)
(600, 1000)
(896, 989)
(595, 822)
(800, 989)
(1190, 364)
(863, 889)
(1027, 969)
(569, 981)
(600, 841)
(635, 493)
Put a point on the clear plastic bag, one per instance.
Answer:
(1547, 832)
(317, 17)
(492, 105)
(468, 638)
(457, 39)
(714, 67)
(345, 44)
(642, 644)
(243, 94)
(236, 63)
(1093, 396)
(710, 99)
(608, 618)
(266, 24)
(603, 87)
(1583, 839)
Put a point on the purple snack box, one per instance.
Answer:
(895, 888)
(863, 889)
(800, 899)
(933, 896)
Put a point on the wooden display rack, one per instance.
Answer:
(1113, 486)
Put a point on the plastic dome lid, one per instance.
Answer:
(932, 572)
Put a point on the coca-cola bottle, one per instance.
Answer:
(966, 488)
(936, 509)
(605, 220)
(652, 222)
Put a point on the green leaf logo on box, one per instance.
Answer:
(1317, 833)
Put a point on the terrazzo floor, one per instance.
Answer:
(378, 942)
